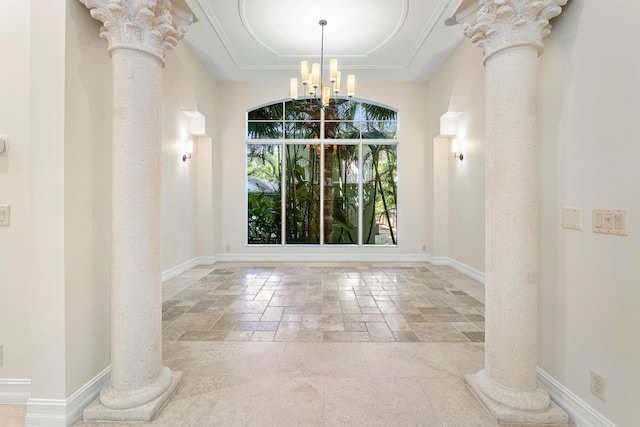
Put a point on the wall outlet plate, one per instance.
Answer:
(572, 218)
(597, 385)
(4, 215)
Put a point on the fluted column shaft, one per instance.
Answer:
(511, 33)
(138, 32)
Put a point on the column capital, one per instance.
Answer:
(497, 25)
(151, 26)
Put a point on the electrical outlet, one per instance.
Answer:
(597, 385)
(228, 248)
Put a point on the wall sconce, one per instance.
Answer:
(188, 149)
(455, 148)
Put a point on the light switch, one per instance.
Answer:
(3, 144)
(610, 221)
(4, 215)
(597, 221)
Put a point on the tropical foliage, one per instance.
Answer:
(352, 162)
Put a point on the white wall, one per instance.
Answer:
(187, 86)
(87, 198)
(407, 98)
(589, 150)
(458, 86)
(15, 284)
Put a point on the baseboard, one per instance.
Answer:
(187, 265)
(457, 265)
(330, 257)
(578, 410)
(14, 391)
(63, 412)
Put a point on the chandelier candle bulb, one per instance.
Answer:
(351, 85)
(336, 86)
(333, 70)
(304, 72)
(294, 88)
(326, 95)
(315, 72)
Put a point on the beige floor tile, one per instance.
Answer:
(12, 415)
(238, 335)
(239, 359)
(454, 402)
(407, 360)
(347, 336)
(376, 402)
(328, 359)
(271, 402)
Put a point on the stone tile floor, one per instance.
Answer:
(353, 303)
(258, 346)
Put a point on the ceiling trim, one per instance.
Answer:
(426, 31)
(247, 27)
(403, 18)
(217, 28)
(401, 21)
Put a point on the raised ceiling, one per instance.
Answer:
(379, 40)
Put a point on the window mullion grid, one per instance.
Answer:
(360, 193)
(283, 179)
(283, 194)
(322, 125)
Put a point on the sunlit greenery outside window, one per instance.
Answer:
(322, 176)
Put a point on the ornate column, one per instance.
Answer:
(138, 33)
(511, 33)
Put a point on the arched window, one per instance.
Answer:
(322, 176)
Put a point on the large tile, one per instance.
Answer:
(463, 357)
(271, 401)
(182, 355)
(239, 359)
(12, 415)
(376, 402)
(406, 360)
(192, 403)
(454, 403)
(328, 359)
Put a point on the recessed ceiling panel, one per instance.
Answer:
(354, 27)
(265, 40)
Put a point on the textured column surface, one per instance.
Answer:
(138, 34)
(511, 33)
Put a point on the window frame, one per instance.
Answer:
(283, 141)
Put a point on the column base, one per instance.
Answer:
(503, 414)
(96, 411)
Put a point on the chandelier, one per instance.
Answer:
(312, 79)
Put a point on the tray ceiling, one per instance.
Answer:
(265, 40)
